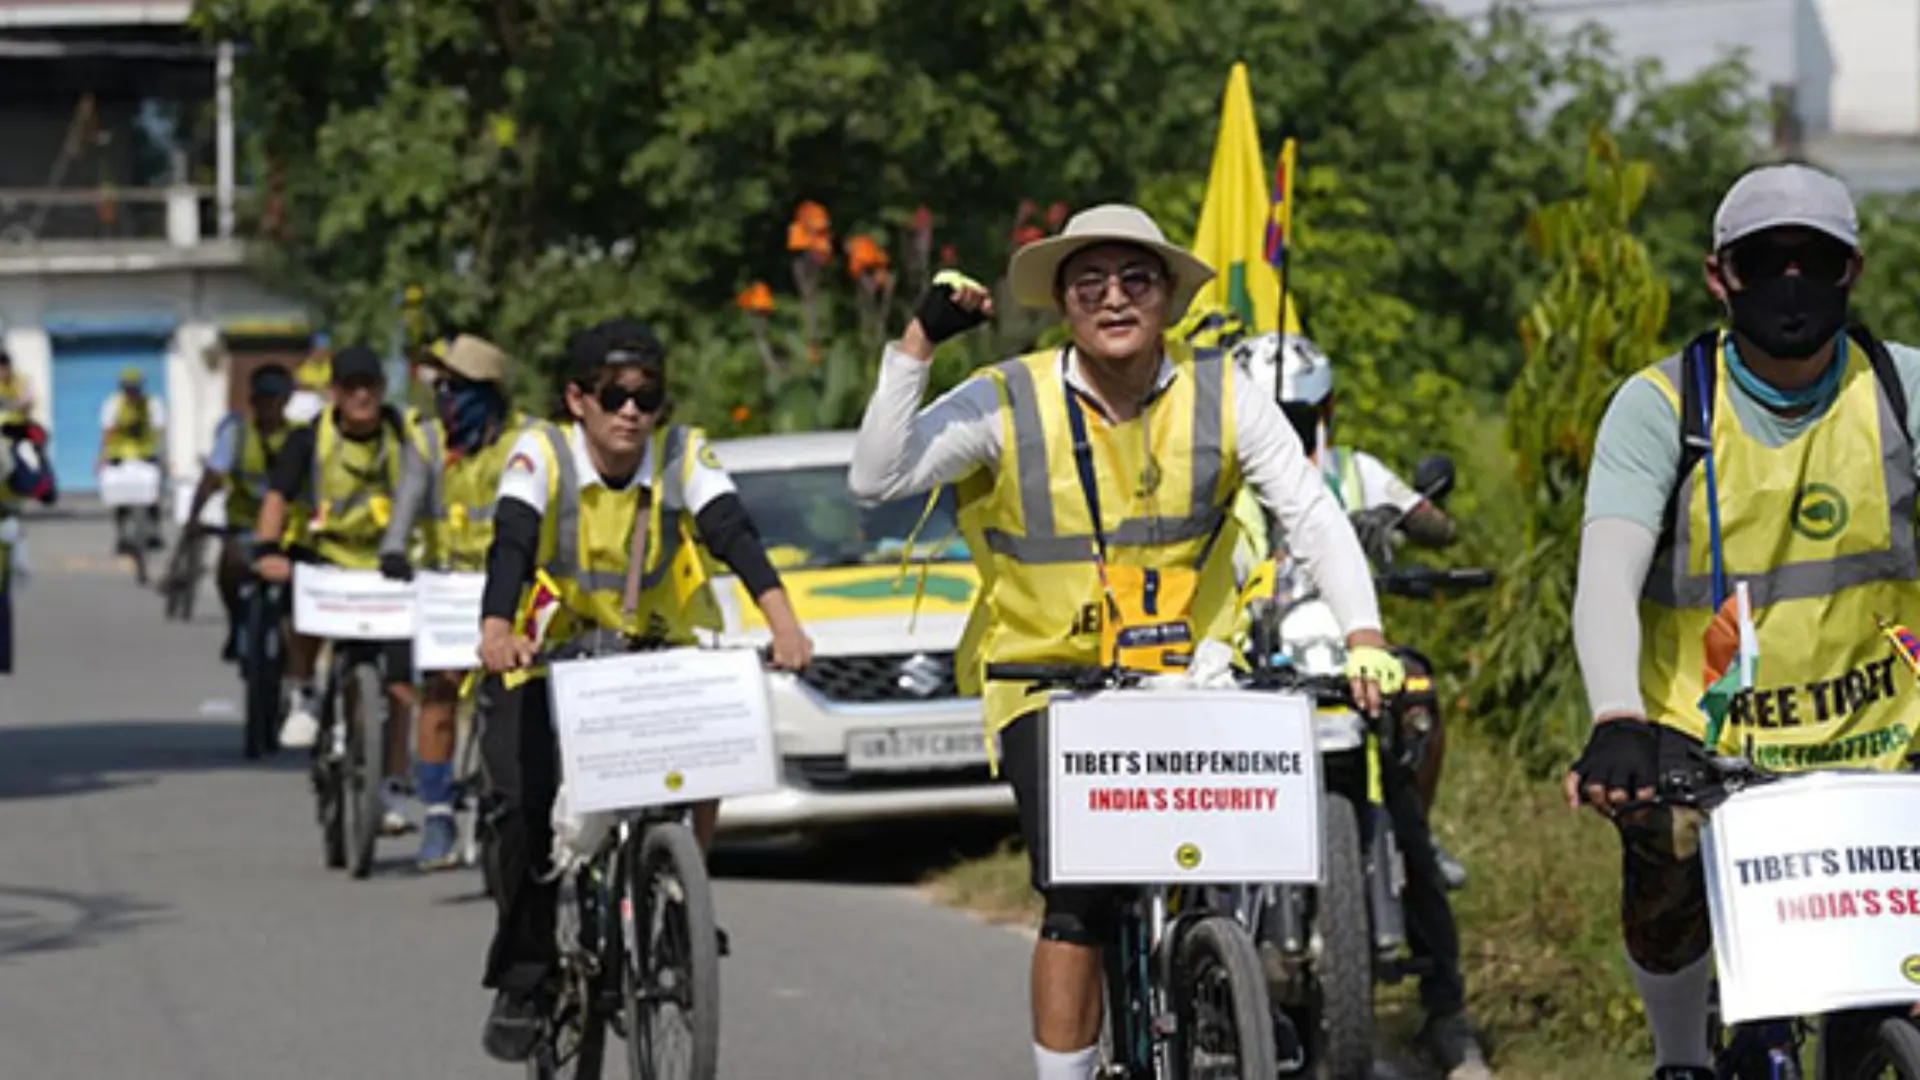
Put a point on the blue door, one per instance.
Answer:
(86, 371)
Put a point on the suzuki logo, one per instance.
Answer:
(920, 675)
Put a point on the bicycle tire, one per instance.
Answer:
(1215, 951)
(1341, 1032)
(670, 858)
(264, 666)
(366, 759)
(587, 1062)
(1896, 1046)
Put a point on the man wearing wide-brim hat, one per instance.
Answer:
(1063, 538)
(451, 482)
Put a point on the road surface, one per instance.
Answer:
(164, 913)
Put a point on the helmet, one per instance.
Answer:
(1305, 374)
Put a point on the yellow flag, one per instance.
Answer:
(1232, 236)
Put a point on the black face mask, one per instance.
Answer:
(1791, 316)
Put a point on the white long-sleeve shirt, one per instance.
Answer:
(903, 449)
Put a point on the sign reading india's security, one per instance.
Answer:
(1219, 787)
(1814, 886)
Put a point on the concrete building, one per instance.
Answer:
(1845, 74)
(120, 236)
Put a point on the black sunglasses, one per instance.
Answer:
(1090, 288)
(647, 398)
(1766, 259)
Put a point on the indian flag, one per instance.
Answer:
(1237, 215)
(1732, 660)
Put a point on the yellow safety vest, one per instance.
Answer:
(352, 488)
(468, 486)
(1822, 532)
(586, 540)
(132, 435)
(246, 485)
(12, 389)
(1028, 526)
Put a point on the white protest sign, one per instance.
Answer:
(1214, 786)
(351, 605)
(1814, 888)
(654, 728)
(213, 515)
(130, 483)
(446, 631)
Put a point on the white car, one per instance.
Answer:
(875, 729)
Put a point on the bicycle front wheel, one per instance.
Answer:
(671, 991)
(264, 666)
(366, 709)
(1895, 1052)
(1222, 1015)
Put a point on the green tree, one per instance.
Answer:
(1600, 318)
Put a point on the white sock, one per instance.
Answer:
(1067, 1065)
(1677, 1011)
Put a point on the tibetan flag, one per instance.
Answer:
(1904, 642)
(1234, 219)
(1280, 217)
(1732, 660)
(537, 612)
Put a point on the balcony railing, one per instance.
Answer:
(180, 216)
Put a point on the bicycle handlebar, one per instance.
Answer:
(1080, 678)
(1421, 582)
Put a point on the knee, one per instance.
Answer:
(1663, 909)
(1077, 916)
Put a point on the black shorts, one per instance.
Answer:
(1078, 914)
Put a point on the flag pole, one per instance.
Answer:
(1283, 227)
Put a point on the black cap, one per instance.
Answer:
(614, 343)
(357, 362)
(269, 381)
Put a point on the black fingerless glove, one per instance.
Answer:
(941, 318)
(394, 567)
(1621, 755)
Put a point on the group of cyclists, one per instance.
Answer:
(1090, 476)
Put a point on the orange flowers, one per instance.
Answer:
(741, 414)
(755, 299)
(864, 256)
(810, 232)
(1027, 234)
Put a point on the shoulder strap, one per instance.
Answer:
(1698, 376)
(1884, 371)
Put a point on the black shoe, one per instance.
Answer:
(726, 943)
(513, 1027)
(1452, 1042)
(1683, 1072)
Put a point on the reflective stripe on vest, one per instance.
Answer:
(565, 509)
(1041, 543)
(1821, 531)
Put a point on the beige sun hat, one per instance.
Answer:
(476, 359)
(1032, 270)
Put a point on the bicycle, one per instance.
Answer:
(180, 585)
(638, 944)
(1859, 1044)
(350, 757)
(262, 654)
(1184, 993)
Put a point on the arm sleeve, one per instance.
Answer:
(226, 446)
(409, 504)
(516, 541)
(728, 532)
(1381, 486)
(1635, 457)
(108, 410)
(524, 477)
(1614, 556)
(901, 452)
(1906, 364)
(1285, 482)
(293, 465)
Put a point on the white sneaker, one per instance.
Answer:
(301, 726)
(393, 800)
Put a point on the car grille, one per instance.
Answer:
(830, 773)
(883, 678)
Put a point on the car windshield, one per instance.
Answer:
(808, 518)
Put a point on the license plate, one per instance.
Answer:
(905, 749)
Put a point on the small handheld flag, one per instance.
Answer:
(1731, 660)
(1904, 642)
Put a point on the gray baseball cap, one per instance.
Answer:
(1777, 195)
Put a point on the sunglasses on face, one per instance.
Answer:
(647, 397)
(1765, 260)
(1090, 287)
(354, 386)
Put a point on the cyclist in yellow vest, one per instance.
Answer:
(1167, 438)
(342, 472)
(244, 447)
(16, 397)
(476, 429)
(576, 500)
(133, 425)
(1780, 454)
